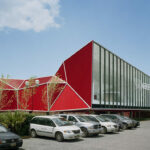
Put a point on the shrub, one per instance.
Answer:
(17, 122)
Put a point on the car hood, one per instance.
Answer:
(89, 123)
(8, 135)
(69, 128)
(107, 123)
(127, 121)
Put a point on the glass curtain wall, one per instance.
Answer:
(117, 84)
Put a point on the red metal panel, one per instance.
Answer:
(40, 98)
(61, 73)
(5, 85)
(8, 100)
(14, 82)
(41, 81)
(79, 72)
(58, 90)
(25, 99)
(68, 100)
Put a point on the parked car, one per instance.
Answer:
(55, 127)
(126, 123)
(117, 121)
(87, 127)
(135, 122)
(106, 125)
(9, 140)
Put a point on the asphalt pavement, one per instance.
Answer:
(132, 139)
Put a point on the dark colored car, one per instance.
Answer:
(9, 140)
(126, 122)
(135, 122)
(113, 119)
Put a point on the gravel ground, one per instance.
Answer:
(133, 139)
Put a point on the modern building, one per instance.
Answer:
(95, 79)
(105, 81)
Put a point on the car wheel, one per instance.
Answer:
(59, 137)
(85, 132)
(104, 130)
(97, 134)
(33, 134)
(125, 126)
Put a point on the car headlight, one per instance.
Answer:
(20, 139)
(2, 141)
(67, 131)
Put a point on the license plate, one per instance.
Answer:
(13, 144)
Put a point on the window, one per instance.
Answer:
(71, 118)
(64, 116)
(115, 80)
(111, 80)
(35, 120)
(96, 74)
(49, 122)
(106, 84)
(102, 75)
(46, 122)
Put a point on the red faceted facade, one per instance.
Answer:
(75, 80)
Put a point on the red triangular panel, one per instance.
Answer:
(13, 82)
(42, 80)
(5, 86)
(68, 100)
(61, 73)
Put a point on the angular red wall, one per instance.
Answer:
(9, 100)
(36, 99)
(40, 98)
(68, 100)
(79, 72)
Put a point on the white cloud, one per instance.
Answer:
(25, 15)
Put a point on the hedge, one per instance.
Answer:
(17, 122)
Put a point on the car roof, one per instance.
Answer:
(49, 117)
(110, 114)
(70, 114)
(94, 115)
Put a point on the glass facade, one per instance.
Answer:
(117, 84)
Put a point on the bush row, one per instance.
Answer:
(17, 122)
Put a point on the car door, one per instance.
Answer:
(47, 127)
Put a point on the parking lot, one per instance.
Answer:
(132, 139)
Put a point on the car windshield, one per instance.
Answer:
(81, 119)
(3, 129)
(91, 118)
(101, 118)
(61, 122)
(126, 118)
(120, 117)
(108, 119)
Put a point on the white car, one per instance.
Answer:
(55, 127)
(106, 125)
(87, 127)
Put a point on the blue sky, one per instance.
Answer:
(36, 36)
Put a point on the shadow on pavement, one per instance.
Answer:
(68, 141)
(99, 136)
